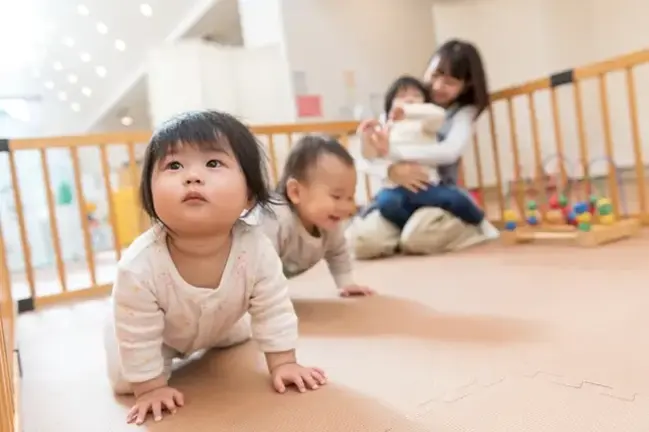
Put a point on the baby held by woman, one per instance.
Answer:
(411, 125)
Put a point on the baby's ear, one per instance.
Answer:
(293, 190)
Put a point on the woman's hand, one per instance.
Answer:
(409, 175)
(375, 135)
(397, 113)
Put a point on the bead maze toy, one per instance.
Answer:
(587, 223)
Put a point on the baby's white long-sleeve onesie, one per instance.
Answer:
(409, 142)
(300, 250)
(158, 316)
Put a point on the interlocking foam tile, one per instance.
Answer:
(620, 393)
(523, 405)
(569, 381)
(458, 393)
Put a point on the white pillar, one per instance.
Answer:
(253, 84)
(261, 22)
(182, 77)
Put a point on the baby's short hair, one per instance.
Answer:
(306, 153)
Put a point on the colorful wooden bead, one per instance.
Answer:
(510, 226)
(603, 201)
(510, 215)
(571, 216)
(584, 217)
(531, 205)
(604, 206)
(581, 207)
(553, 202)
(608, 219)
(533, 220)
(583, 226)
(605, 210)
(563, 201)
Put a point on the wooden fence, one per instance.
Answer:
(9, 388)
(584, 157)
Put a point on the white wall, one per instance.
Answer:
(377, 39)
(524, 40)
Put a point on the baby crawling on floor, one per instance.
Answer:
(316, 198)
(201, 277)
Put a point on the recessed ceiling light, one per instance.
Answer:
(83, 10)
(57, 66)
(72, 79)
(101, 71)
(120, 45)
(63, 96)
(87, 91)
(126, 120)
(49, 85)
(75, 107)
(146, 9)
(68, 41)
(102, 28)
(85, 57)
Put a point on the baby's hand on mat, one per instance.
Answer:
(155, 401)
(356, 290)
(304, 378)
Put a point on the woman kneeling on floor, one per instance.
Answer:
(418, 149)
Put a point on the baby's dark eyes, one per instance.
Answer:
(173, 165)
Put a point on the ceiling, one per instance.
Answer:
(69, 66)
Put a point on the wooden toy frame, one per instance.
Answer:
(567, 234)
